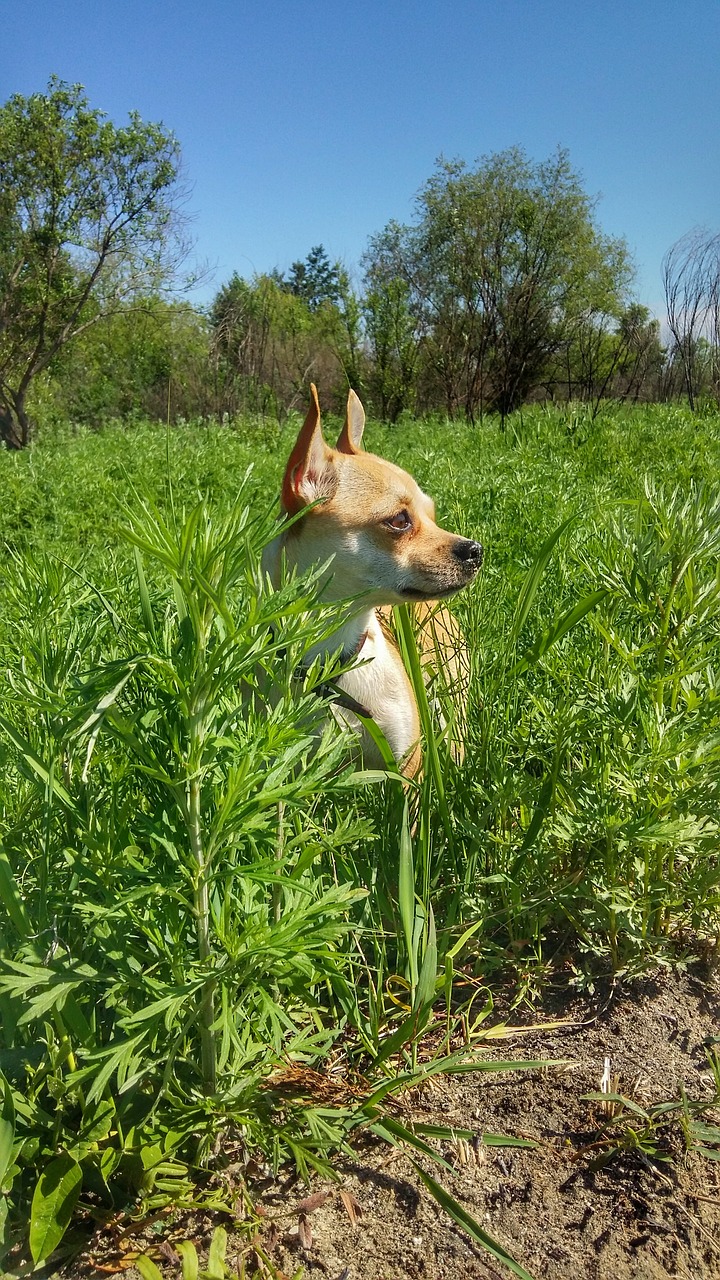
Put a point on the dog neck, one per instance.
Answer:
(349, 638)
(376, 684)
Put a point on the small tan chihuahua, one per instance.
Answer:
(377, 527)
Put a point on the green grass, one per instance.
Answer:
(199, 893)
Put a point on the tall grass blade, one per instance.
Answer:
(147, 1268)
(7, 1128)
(392, 1131)
(433, 765)
(533, 578)
(145, 604)
(11, 898)
(406, 895)
(559, 628)
(470, 1224)
(34, 765)
(425, 993)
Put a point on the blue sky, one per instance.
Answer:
(315, 121)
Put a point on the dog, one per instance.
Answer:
(373, 524)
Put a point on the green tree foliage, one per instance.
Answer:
(605, 356)
(393, 346)
(153, 361)
(88, 219)
(315, 280)
(349, 334)
(269, 344)
(503, 289)
(259, 344)
(501, 263)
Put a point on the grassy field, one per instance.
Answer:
(202, 901)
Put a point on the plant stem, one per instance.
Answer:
(279, 855)
(202, 914)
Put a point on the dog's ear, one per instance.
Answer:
(310, 473)
(350, 437)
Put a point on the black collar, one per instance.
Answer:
(330, 689)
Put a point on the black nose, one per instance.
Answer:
(468, 552)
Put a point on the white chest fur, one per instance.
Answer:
(380, 684)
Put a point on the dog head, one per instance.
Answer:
(370, 518)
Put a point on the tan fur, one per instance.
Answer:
(377, 528)
(445, 663)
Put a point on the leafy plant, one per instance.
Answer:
(88, 211)
(166, 932)
(628, 1127)
(202, 905)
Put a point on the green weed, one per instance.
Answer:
(202, 901)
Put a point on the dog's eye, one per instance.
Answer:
(400, 523)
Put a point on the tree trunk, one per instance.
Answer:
(15, 429)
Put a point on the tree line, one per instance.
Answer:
(502, 289)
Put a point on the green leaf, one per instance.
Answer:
(106, 701)
(448, 1132)
(35, 764)
(616, 1097)
(403, 1033)
(534, 575)
(559, 628)
(180, 603)
(190, 1265)
(216, 1256)
(145, 604)
(704, 1132)
(147, 1268)
(406, 893)
(544, 801)
(425, 993)
(7, 1128)
(97, 1121)
(379, 740)
(411, 658)
(470, 1225)
(109, 1161)
(392, 1131)
(53, 1202)
(11, 898)
(493, 1064)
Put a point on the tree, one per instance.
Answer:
(394, 347)
(151, 360)
(619, 356)
(268, 344)
(89, 220)
(315, 280)
(691, 280)
(341, 326)
(643, 353)
(499, 263)
(242, 317)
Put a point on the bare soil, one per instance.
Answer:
(636, 1218)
